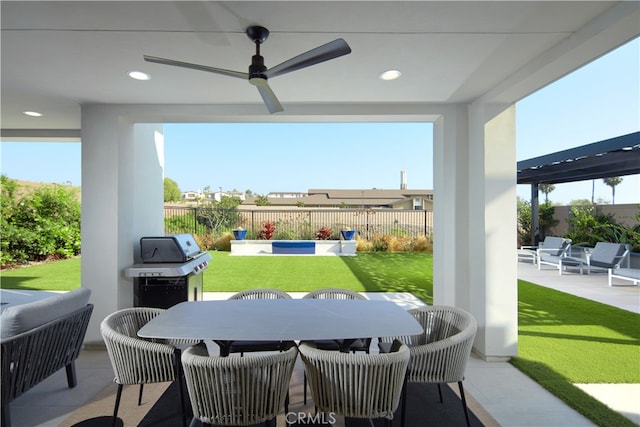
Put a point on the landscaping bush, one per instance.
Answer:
(363, 245)
(268, 228)
(324, 233)
(423, 244)
(588, 226)
(205, 241)
(43, 224)
(285, 235)
(223, 243)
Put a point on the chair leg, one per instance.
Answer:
(464, 403)
(179, 382)
(6, 416)
(440, 393)
(117, 405)
(304, 388)
(403, 396)
(140, 394)
(71, 375)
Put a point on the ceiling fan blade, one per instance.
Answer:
(270, 99)
(328, 51)
(198, 67)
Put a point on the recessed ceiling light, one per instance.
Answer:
(139, 75)
(390, 75)
(32, 113)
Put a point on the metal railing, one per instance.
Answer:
(299, 223)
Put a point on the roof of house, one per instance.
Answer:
(333, 197)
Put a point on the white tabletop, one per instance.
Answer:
(281, 320)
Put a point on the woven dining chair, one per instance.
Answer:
(361, 344)
(356, 385)
(237, 391)
(136, 360)
(252, 346)
(440, 354)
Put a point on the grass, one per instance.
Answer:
(370, 272)
(563, 339)
(61, 275)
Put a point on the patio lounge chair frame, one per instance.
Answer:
(603, 256)
(552, 250)
(629, 274)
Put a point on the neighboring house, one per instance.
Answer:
(192, 195)
(359, 199)
(218, 195)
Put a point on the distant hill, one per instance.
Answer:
(27, 187)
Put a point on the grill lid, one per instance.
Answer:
(170, 248)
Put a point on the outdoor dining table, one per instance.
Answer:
(226, 321)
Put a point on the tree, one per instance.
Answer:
(546, 189)
(524, 222)
(262, 201)
(612, 182)
(171, 191)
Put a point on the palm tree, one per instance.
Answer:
(612, 182)
(546, 189)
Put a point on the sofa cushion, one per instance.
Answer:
(21, 318)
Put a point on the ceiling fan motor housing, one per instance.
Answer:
(257, 68)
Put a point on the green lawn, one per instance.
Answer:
(371, 272)
(563, 339)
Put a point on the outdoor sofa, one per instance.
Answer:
(38, 339)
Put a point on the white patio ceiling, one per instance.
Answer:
(57, 56)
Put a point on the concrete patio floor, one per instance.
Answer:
(501, 394)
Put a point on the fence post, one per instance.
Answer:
(195, 220)
(425, 222)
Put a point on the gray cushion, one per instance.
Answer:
(21, 318)
(553, 245)
(606, 254)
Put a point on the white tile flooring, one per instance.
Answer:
(509, 396)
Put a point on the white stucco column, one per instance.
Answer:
(451, 208)
(122, 197)
(475, 209)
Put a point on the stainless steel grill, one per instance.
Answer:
(170, 272)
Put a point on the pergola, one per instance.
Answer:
(613, 157)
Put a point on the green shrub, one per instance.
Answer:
(285, 235)
(588, 226)
(40, 225)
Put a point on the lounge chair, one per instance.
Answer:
(603, 256)
(630, 274)
(552, 250)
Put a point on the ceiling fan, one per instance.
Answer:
(258, 73)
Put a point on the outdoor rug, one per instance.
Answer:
(423, 408)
